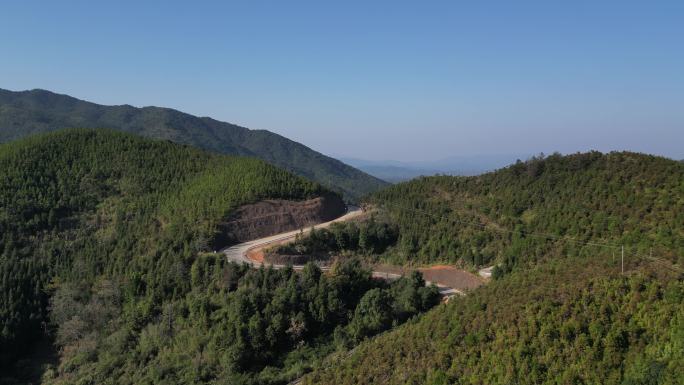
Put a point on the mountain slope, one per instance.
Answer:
(559, 310)
(520, 211)
(80, 203)
(105, 253)
(574, 321)
(29, 112)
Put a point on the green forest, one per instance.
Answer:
(365, 238)
(547, 206)
(528, 209)
(559, 310)
(567, 321)
(232, 325)
(106, 255)
(101, 233)
(32, 112)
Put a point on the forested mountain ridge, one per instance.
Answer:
(522, 211)
(80, 203)
(105, 253)
(558, 310)
(566, 321)
(30, 112)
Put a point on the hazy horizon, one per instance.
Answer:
(381, 81)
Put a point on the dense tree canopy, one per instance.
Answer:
(38, 111)
(367, 237)
(105, 247)
(559, 310)
(569, 321)
(233, 325)
(522, 211)
(81, 203)
(101, 232)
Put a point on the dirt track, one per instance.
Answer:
(450, 280)
(450, 276)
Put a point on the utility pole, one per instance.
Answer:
(623, 259)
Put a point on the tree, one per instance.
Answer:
(372, 315)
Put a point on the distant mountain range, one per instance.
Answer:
(397, 171)
(30, 112)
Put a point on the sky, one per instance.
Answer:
(403, 80)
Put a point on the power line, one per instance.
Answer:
(533, 234)
(661, 262)
(670, 267)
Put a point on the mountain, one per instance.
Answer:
(399, 171)
(108, 276)
(30, 112)
(79, 203)
(559, 308)
(568, 322)
(620, 197)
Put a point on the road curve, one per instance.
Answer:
(238, 253)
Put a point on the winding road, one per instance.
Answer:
(240, 253)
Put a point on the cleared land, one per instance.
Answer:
(449, 279)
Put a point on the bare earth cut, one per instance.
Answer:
(448, 279)
(276, 216)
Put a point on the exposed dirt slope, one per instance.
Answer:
(446, 275)
(277, 216)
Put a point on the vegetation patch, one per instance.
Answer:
(568, 321)
(558, 310)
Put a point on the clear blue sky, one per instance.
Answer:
(374, 79)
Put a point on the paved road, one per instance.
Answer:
(238, 253)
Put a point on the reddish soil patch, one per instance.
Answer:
(452, 277)
(276, 216)
(440, 274)
(256, 255)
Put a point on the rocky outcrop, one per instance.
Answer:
(270, 217)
